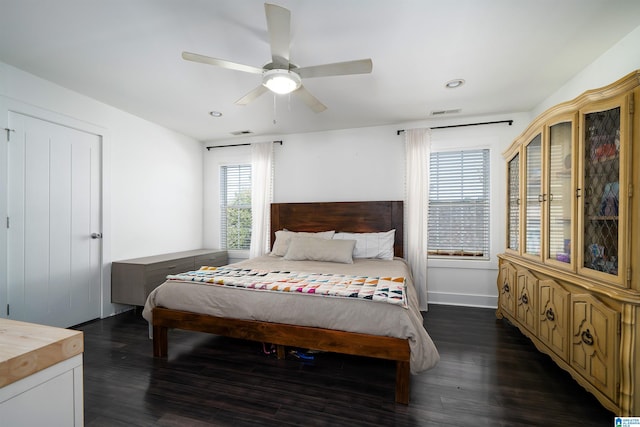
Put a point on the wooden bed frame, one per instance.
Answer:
(356, 217)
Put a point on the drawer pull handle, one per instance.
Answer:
(525, 299)
(587, 338)
(550, 315)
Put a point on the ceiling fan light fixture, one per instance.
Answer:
(281, 81)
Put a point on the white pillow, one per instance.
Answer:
(315, 249)
(371, 245)
(283, 238)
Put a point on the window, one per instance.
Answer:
(235, 205)
(458, 223)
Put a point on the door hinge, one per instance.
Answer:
(8, 311)
(629, 275)
(9, 133)
(7, 222)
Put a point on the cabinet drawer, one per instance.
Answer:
(173, 265)
(214, 260)
(157, 273)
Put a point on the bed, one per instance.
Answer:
(343, 325)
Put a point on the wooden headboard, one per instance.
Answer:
(348, 217)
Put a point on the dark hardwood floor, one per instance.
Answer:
(489, 375)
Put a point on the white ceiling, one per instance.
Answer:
(513, 54)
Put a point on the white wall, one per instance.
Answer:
(369, 164)
(473, 282)
(213, 159)
(315, 167)
(617, 62)
(152, 177)
(345, 165)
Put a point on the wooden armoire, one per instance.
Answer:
(570, 275)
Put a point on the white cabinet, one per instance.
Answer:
(41, 375)
(52, 397)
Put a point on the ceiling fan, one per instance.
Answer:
(281, 76)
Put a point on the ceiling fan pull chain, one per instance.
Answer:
(274, 110)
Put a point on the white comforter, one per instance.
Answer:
(346, 314)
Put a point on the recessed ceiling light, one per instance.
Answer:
(215, 113)
(452, 84)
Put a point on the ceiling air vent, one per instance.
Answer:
(241, 132)
(443, 112)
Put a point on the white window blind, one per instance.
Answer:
(235, 206)
(459, 208)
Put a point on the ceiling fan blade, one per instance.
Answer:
(279, 27)
(220, 63)
(251, 96)
(360, 66)
(311, 101)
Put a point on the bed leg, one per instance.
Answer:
(403, 375)
(160, 341)
(281, 351)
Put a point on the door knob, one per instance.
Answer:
(96, 235)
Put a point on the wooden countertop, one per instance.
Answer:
(26, 348)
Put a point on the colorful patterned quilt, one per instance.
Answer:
(390, 290)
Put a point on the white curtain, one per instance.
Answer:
(261, 194)
(417, 149)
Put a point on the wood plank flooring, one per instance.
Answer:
(489, 375)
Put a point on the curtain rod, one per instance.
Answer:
(398, 132)
(238, 145)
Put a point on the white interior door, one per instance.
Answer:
(53, 267)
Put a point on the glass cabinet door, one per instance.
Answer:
(513, 188)
(533, 197)
(559, 193)
(600, 192)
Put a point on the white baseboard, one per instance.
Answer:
(443, 298)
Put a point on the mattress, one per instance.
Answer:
(344, 314)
